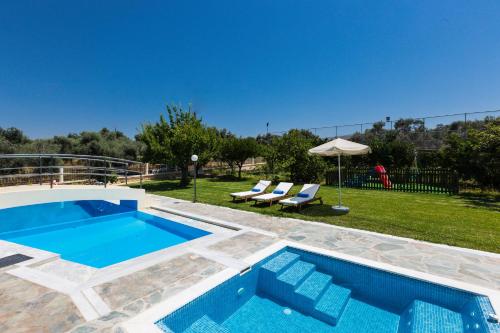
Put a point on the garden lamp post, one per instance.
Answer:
(194, 158)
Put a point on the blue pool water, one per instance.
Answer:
(297, 291)
(93, 233)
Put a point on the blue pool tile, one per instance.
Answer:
(297, 273)
(360, 317)
(423, 317)
(333, 302)
(206, 325)
(312, 289)
(280, 263)
(261, 315)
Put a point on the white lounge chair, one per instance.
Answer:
(260, 188)
(306, 195)
(280, 192)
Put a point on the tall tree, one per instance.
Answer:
(477, 156)
(235, 151)
(175, 140)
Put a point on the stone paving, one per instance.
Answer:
(480, 268)
(134, 293)
(242, 246)
(31, 308)
(151, 281)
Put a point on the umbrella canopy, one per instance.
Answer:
(340, 147)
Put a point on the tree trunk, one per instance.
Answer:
(239, 171)
(184, 175)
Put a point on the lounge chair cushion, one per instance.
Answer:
(303, 195)
(256, 190)
(278, 192)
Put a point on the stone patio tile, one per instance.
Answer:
(243, 245)
(124, 290)
(28, 307)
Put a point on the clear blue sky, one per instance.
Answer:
(67, 66)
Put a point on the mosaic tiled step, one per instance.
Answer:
(296, 274)
(279, 264)
(423, 317)
(205, 325)
(291, 272)
(311, 290)
(330, 306)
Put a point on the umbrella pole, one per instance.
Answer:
(340, 191)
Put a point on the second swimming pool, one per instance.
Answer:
(296, 291)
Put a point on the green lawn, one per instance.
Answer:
(471, 221)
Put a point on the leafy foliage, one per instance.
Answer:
(477, 156)
(104, 142)
(175, 140)
(293, 156)
(268, 150)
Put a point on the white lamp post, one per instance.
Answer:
(194, 158)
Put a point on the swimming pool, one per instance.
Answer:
(93, 233)
(299, 291)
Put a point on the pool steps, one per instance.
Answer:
(295, 282)
(206, 325)
(330, 307)
(312, 288)
(298, 283)
(423, 317)
(296, 274)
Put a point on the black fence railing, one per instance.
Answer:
(25, 169)
(428, 180)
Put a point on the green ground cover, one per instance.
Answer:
(468, 220)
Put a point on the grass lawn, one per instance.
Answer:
(469, 220)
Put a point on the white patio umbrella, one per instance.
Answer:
(339, 147)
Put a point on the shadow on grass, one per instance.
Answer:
(480, 199)
(262, 205)
(227, 179)
(312, 210)
(164, 186)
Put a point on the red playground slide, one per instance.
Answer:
(384, 178)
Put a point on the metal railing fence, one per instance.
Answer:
(18, 169)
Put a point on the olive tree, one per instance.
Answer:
(175, 140)
(235, 151)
